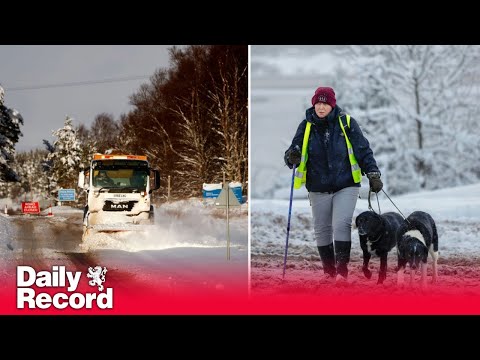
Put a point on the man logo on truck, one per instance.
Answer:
(119, 206)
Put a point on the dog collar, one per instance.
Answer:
(379, 236)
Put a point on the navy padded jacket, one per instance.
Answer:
(328, 166)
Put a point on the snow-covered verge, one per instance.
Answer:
(6, 235)
(186, 223)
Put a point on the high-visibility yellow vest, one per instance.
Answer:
(301, 172)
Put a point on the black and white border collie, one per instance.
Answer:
(416, 238)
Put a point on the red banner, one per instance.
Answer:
(30, 207)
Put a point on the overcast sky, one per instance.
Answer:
(45, 110)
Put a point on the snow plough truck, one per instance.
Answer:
(119, 189)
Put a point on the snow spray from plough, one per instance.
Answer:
(119, 189)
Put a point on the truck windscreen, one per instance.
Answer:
(120, 174)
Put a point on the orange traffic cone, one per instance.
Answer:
(50, 211)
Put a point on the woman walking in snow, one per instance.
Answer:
(332, 154)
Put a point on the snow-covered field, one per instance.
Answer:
(455, 210)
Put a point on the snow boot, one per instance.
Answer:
(327, 255)
(342, 255)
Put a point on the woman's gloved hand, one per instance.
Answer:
(375, 183)
(293, 156)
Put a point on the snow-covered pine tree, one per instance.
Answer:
(34, 182)
(417, 104)
(10, 122)
(66, 157)
(47, 166)
(87, 144)
(39, 179)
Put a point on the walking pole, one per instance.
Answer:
(288, 224)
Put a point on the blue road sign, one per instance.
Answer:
(66, 195)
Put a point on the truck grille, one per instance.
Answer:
(118, 206)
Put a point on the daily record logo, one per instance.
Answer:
(27, 297)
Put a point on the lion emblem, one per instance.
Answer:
(97, 274)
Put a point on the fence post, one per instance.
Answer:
(168, 189)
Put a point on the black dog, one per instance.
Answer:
(377, 235)
(416, 238)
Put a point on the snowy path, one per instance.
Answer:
(184, 253)
(457, 215)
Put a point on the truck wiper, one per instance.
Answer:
(131, 188)
(106, 187)
(120, 188)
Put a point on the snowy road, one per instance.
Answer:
(183, 254)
